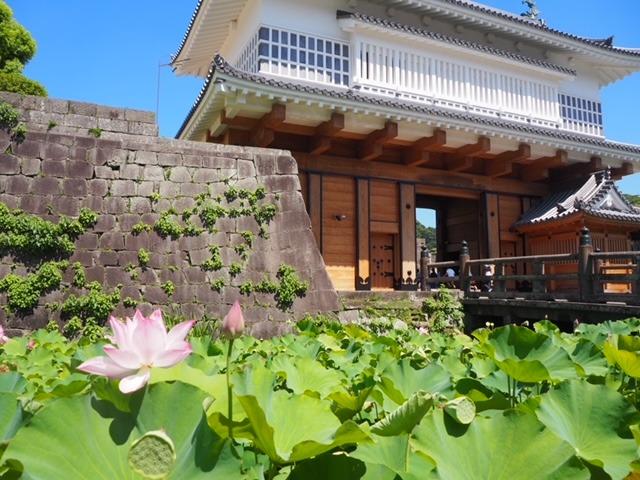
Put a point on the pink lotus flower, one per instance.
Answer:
(140, 345)
(3, 338)
(233, 323)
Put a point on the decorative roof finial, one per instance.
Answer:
(607, 173)
(533, 13)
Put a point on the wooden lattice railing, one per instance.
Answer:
(585, 276)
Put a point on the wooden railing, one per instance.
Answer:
(585, 276)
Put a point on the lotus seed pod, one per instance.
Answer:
(461, 409)
(153, 455)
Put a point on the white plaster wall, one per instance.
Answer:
(305, 16)
(242, 31)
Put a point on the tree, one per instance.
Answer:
(17, 47)
(429, 235)
(634, 199)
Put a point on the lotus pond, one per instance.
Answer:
(333, 402)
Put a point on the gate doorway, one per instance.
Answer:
(382, 261)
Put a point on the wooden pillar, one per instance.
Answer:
(315, 206)
(408, 236)
(492, 219)
(636, 282)
(584, 264)
(363, 277)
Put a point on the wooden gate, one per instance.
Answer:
(382, 261)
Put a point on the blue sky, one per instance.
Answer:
(110, 52)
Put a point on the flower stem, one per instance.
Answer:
(229, 390)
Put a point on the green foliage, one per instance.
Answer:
(444, 312)
(140, 228)
(215, 263)
(634, 199)
(144, 257)
(290, 287)
(168, 288)
(217, 284)
(429, 234)
(166, 226)
(96, 132)
(87, 313)
(79, 275)
(332, 401)
(9, 117)
(155, 197)
(235, 269)
(129, 302)
(17, 47)
(22, 234)
(24, 293)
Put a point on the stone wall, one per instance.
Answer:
(62, 167)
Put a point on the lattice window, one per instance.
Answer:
(248, 59)
(297, 55)
(581, 114)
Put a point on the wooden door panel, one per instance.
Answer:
(382, 261)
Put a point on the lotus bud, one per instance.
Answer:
(3, 338)
(233, 323)
(32, 344)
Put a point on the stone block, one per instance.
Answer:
(29, 148)
(108, 258)
(19, 185)
(88, 241)
(143, 157)
(30, 166)
(155, 295)
(144, 189)
(195, 275)
(218, 162)
(105, 172)
(115, 205)
(146, 129)
(169, 159)
(192, 160)
(54, 168)
(79, 169)
(266, 165)
(9, 164)
(113, 125)
(123, 188)
(184, 203)
(98, 187)
(287, 165)
(54, 151)
(114, 276)
(153, 173)
(127, 221)
(246, 168)
(180, 175)
(140, 205)
(106, 223)
(76, 187)
(169, 190)
(110, 113)
(82, 108)
(140, 116)
(111, 241)
(95, 274)
(198, 257)
(46, 186)
(130, 172)
(206, 175)
(93, 203)
(192, 189)
(66, 206)
(136, 242)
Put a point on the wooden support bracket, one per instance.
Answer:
(418, 153)
(322, 140)
(372, 146)
(502, 165)
(264, 133)
(539, 169)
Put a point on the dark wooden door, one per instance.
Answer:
(382, 267)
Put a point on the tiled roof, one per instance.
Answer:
(188, 32)
(221, 66)
(605, 44)
(598, 197)
(452, 40)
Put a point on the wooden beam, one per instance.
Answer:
(502, 165)
(264, 133)
(322, 140)
(539, 169)
(342, 165)
(418, 153)
(459, 164)
(623, 171)
(482, 146)
(372, 146)
(581, 169)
